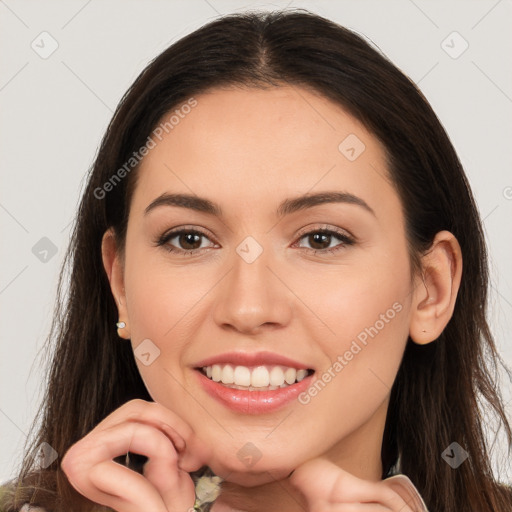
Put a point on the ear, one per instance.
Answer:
(114, 267)
(435, 291)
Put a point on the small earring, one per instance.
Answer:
(121, 325)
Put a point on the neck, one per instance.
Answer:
(358, 453)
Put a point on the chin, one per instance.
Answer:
(254, 479)
(260, 473)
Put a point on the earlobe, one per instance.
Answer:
(435, 291)
(115, 273)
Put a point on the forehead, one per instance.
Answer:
(245, 144)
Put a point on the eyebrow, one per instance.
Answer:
(287, 207)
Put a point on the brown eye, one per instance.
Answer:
(185, 241)
(320, 240)
(189, 241)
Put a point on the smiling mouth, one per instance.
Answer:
(254, 378)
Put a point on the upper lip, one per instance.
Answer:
(251, 359)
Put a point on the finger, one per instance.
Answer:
(100, 449)
(174, 485)
(121, 489)
(148, 412)
(322, 481)
(195, 453)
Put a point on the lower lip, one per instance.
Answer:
(253, 402)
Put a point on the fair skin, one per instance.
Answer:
(247, 150)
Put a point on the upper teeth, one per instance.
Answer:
(258, 377)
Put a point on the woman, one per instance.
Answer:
(304, 376)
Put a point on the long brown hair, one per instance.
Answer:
(439, 389)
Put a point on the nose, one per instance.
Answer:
(252, 296)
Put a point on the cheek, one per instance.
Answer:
(368, 311)
(364, 295)
(365, 310)
(163, 307)
(160, 296)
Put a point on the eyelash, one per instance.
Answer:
(166, 237)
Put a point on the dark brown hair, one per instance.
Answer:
(440, 388)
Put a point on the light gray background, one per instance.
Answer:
(55, 110)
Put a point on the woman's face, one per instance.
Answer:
(262, 277)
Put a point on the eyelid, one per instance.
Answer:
(163, 240)
(188, 229)
(343, 235)
(326, 227)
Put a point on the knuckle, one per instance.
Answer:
(139, 410)
(65, 463)
(134, 409)
(68, 461)
(71, 465)
(136, 404)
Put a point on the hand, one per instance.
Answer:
(328, 488)
(149, 429)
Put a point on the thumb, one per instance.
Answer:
(320, 480)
